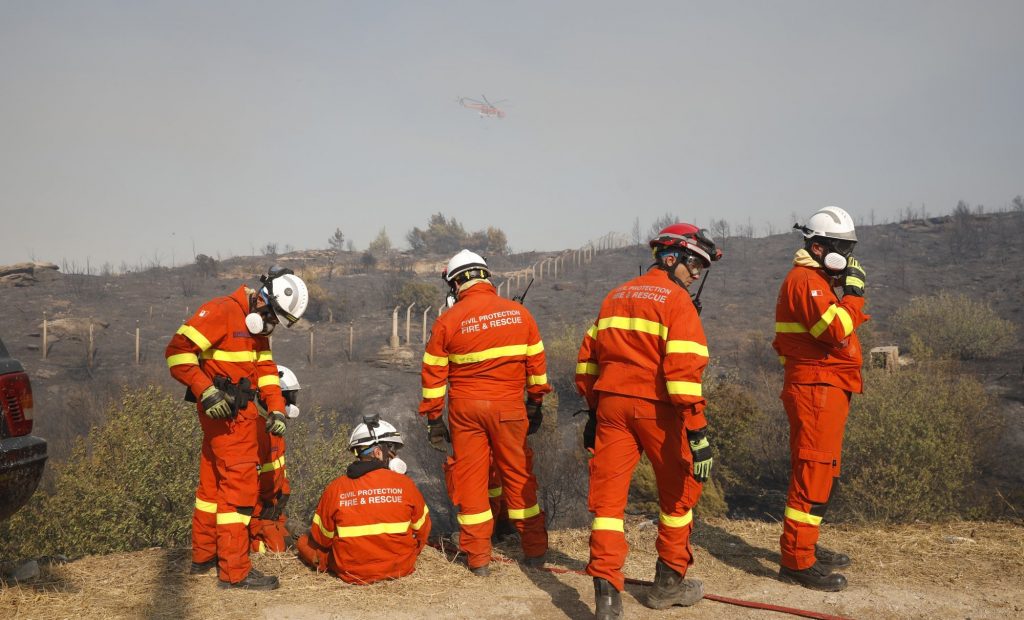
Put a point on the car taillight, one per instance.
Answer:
(16, 400)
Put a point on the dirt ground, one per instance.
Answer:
(955, 570)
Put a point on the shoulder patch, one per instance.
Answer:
(203, 312)
(816, 293)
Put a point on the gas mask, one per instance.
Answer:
(261, 321)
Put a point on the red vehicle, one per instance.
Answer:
(484, 108)
(22, 455)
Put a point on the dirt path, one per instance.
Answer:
(959, 570)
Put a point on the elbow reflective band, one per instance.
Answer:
(229, 356)
(264, 356)
(854, 281)
(433, 360)
(317, 522)
(182, 358)
(473, 519)
(536, 379)
(352, 531)
(261, 547)
(524, 513)
(592, 331)
(782, 360)
(416, 526)
(687, 388)
(229, 518)
(511, 350)
(494, 492)
(633, 324)
(195, 336)
(277, 464)
(534, 349)
(608, 523)
(671, 521)
(686, 346)
(435, 392)
(266, 380)
(205, 506)
(830, 315)
(790, 328)
(802, 517)
(588, 368)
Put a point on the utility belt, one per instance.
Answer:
(238, 394)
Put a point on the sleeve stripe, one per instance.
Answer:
(592, 331)
(416, 526)
(433, 360)
(588, 368)
(317, 522)
(534, 349)
(686, 388)
(264, 356)
(182, 358)
(830, 315)
(266, 380)
(686, 346)
(537, 379)
(435, 392)
(195, 336)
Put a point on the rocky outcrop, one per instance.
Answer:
(26, 274)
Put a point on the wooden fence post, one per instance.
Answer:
(46, 343)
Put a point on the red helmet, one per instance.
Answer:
(688, 237)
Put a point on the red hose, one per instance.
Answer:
(793, 611)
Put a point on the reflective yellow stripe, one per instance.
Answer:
(852, 281)
(782, 360)
(433, 360)
(524, 513)
(277, 464)
(802, 517)
(844, 318)
(416, 526)
(229, 518)
(688, 388)
(671, 521)
(534, 349)
(592, 331)
(495, 492)
(608, 523)
(264, 356)
(261, 548)
(435, 392)
(266, 380)
(473, 519)
(536, 379)
(317, 522)
(790, 328)
(229, 356)
(488, 354)
(182, 358)
(195, 336)
(353, 531)
(686, 346)
(588, 368)
(826, 319)
(634, 324)
(205, 506)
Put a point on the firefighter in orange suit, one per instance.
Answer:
(222, 354)
(639, 369)
(815, 337)
(371, 523)
(489, 351)
(267, 529)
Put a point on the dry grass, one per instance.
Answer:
(916, 571)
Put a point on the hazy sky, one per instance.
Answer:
(133, 131)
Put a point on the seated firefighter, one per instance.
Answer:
(371, 523)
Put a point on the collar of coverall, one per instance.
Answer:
(803, 258)
(464, 288)
(241, 297)
(361, 468)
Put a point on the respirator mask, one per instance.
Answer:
(837, 254)
(261, 321)
(396, 464)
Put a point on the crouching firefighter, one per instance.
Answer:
(222, 354)
(267, 529)
(371, 523)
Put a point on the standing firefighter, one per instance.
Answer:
(222, 354)
(816, 340)
(639, 368)
(371, 523)
(267, 527)
(488, 349)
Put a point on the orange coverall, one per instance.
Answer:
(488, 351)
(370, 524)
(816, 340)
(270, 534)
(640, 367)
(215, 342)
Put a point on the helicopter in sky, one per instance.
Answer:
(484, 108)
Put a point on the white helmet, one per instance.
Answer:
(371, 432)
(830, 222)
(286, 294)
(464, 266)
(289, 382)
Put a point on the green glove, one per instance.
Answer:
(700, 448)
(437, 433)
(854, 278)
(276, 423)
(215, 404)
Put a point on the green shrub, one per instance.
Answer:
(955, 326)
(916, 445)
(423, 294)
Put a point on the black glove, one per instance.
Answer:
(854, 278)
(535, 414)
(437, 433)
(700, 448)
(590, 432)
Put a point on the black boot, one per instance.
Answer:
(255, 580)
(201, 568)
(608, 599)
(671, 589)
(830, 559)
(816, 577)
(481, 571)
